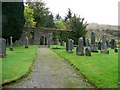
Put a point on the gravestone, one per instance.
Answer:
(99, 45)
(104, 45)
(93, 45)
(112, 43)
(70, 45)
(80, 48)
(11, 44)
(88, 51)
(26, 42)
(2, 48)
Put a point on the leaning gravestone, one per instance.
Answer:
(93, 45)
(26, 42)
(104, 45)
(2, 48)
(11, 44)
(80, 48)
(70, 45)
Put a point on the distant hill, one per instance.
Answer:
(100, 29)
(95, 26)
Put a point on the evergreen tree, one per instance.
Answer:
(12, 19)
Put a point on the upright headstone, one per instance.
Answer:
(99, 45)
(87, 51)
(26, 42)
(80, 48)
(11, 44)
(104, 45)
(93, 44)
(112, 43)
(70, 45)
(2, 48)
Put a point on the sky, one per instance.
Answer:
(94, 11)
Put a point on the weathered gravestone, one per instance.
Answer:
(112, 43)
(93, 45)
(80, 48)
(70, 45)
(104, 45)
(2, 48)
(26, 42)
(87, 51)
(11, 44)
(99, 45)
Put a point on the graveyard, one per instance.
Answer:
(41, 50)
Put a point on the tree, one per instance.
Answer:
(58, 17)
(59, 24)
(76, 25)
(12, 19)
(42, 15)
(28, 14)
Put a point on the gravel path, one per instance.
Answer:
(51, 71)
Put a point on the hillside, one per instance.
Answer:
(100, 29)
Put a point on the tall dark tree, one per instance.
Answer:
(12, 19)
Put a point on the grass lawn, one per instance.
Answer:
(17, 63)
(99, 69)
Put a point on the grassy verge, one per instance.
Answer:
(18, 63)
(99, 69)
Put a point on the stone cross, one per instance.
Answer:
(80, 48)
(104, 45)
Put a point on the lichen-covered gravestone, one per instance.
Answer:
(26, 42)
(11, 44)
(2, 48)
(80, 48)
(104, 45)
(93, 45)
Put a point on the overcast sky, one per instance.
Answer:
(94, 11)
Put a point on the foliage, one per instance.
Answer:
(21, 59)
(75, 24)
(12, 19)
(113, 32)
(59, 24)
(102, 72)
(29, 19)
(42, 15)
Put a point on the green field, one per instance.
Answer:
(17, 63)
(99, 69)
